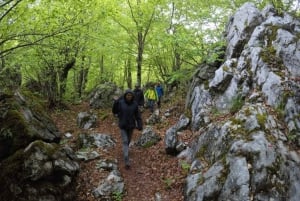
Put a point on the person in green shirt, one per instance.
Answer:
(151, 97)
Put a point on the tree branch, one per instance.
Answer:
(10, 9)
(25, 44)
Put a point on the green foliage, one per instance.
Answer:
(268, 54)
(236, 104)
(292, 136)
(241, 133)
(216, 52)
(237, 121)
(280, 109)
(42, 37)
(180, 76)
(149, 144)
(103, 115)
(201, 180)
(117, 196)
(185, 166)
(15, 125)
(261, 119)
(201, 151)
(168, 182)
(10, 78)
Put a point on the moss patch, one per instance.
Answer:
(15, 131)
(201, 151)
(268, 54)
(261, 120)
(236, 104)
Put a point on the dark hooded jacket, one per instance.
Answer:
(139, 96)
(127, 112)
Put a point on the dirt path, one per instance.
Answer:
(152, 173)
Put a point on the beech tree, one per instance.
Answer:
(136, 17)
(66, 48)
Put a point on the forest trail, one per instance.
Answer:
(153, 173)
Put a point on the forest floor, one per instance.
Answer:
(153, 173)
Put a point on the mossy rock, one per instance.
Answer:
(22, 120)
(25, 170)
(14, 131)
(11, 173)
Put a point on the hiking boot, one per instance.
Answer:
(127, 164)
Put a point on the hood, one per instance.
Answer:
(127, 92)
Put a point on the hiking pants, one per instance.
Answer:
(151, 104)
(126, 135)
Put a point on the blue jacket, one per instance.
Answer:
(159, 90)
(128, 113)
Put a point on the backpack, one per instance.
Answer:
(116, 106)
(151, 94)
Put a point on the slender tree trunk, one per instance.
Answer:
(177, 56)
(162, 68)
(101, 65)
(140, 58)
(2, 63)
(125, 75)
(172, 28)
(129, 75)
(82, 77)
(177, 59)
(142, 31)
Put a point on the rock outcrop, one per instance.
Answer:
(247, 112)
(33, 165)
(103, 95)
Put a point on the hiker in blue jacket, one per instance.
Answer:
(127, 111)
(160, 93)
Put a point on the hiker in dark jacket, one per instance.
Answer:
(139, 96)
(129, 116)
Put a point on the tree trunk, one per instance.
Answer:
(82, 78)
(129, 75)
(48, 82)
(2, 63)
(177, 60)
(101, 65)
(63, 77)
(140, 58)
